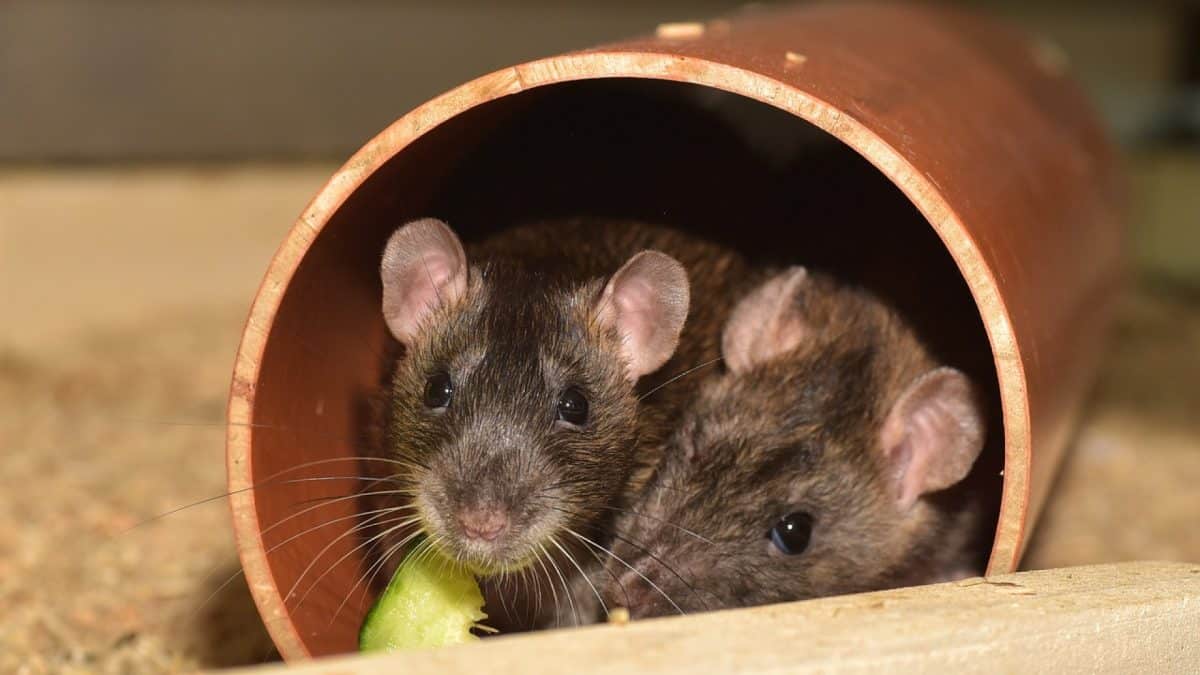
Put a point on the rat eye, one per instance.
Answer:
(791, 534)
(572, 407)
(438, 390)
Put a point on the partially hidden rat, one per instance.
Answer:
(823, 461)
(534, 388)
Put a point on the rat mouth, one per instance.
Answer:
(490, 567)
(483, 561)
(515, 550)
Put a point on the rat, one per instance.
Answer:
(823, 461)
(536, 383)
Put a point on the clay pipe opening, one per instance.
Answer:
(819, 161)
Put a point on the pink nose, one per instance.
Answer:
(483, 523)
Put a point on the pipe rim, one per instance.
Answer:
(607, 64)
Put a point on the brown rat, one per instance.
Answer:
(528, 394)
(823, 462)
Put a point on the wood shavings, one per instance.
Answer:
(83, 459)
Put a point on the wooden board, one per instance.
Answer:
(1125, 618)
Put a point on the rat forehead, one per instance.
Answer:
(536, 329)
(750, 407)
(735, 497)
(773, 422)
(733, 431)
(819, 384)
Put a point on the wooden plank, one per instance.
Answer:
(1129, 617)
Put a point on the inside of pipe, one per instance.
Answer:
(716, 164)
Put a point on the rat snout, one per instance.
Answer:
(639, 591)
(480, 512)
(646, 589)
(660, 575)
(483, 522)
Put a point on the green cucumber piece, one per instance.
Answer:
(430, 602)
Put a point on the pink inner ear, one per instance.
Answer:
(436, 269)
(898, 453)
(414, 293)
(423, 267)
(635, 305)
(426, 280)
(646, 301)
(766, 323)
(911, 457)
(932, 435)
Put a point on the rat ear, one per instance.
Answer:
(766, 323)
(424, 268)
(933, 434)
(646, 302)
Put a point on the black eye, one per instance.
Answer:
(791, 534)
(572, 407)
(438, 390)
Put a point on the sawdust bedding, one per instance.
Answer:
(123, 426)
(99, 438)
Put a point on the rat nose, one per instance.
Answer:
(483, 522)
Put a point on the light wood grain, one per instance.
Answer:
(1127, 618)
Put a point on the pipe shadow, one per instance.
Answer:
(227, 629)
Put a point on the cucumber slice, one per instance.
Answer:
(430, 602)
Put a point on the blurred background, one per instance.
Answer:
(153, 154)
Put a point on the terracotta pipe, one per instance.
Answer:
(954, 125)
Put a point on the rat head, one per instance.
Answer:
(512, 410)
(809, 468)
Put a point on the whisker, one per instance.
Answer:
(499, 584)
(550, 583)
(660, 561)
(377, 567)
(563, 579)
(680, 376)
(571, 558)
(272, 479)
(223, 423)
(381, 563)
(215, 424)
(645, 551)
(664, 521)
(531, 613)
(317, 582)
(327, 501)
(291, 591)
(400, 491)
(240, 571)
(380, 512)
(627, 566)
(611, 574)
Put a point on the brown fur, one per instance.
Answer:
(798, 432)
(524, 330)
